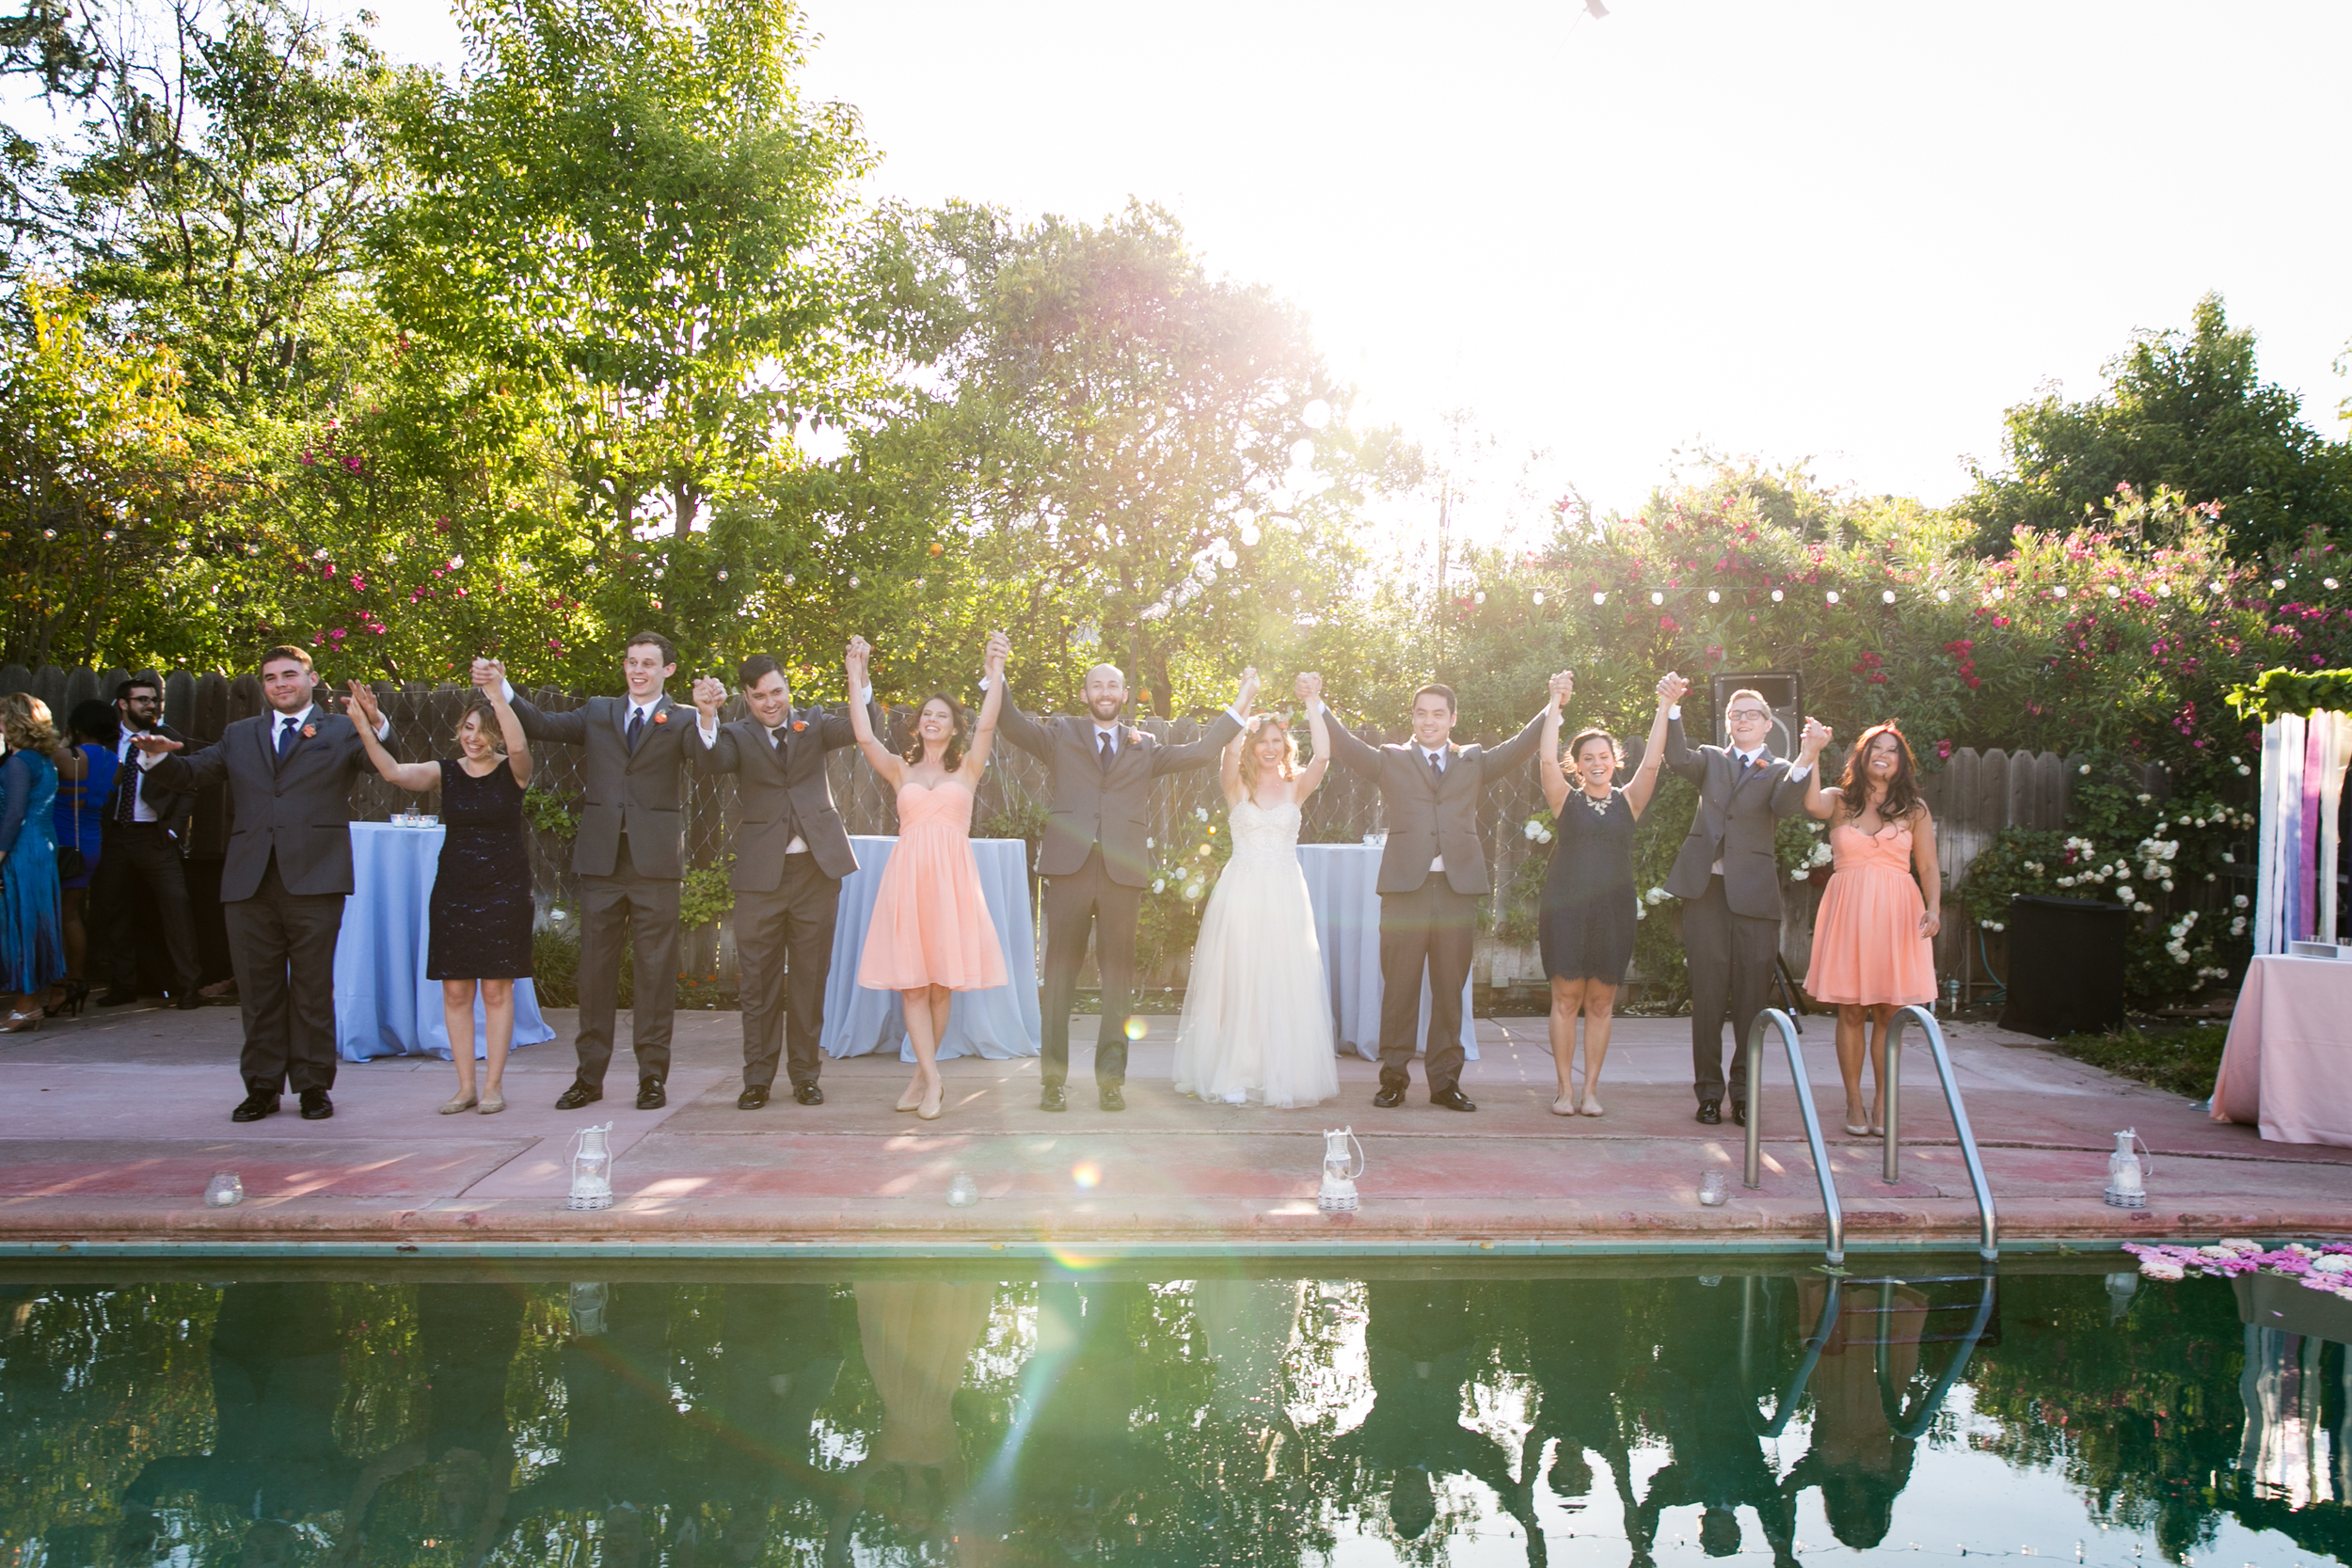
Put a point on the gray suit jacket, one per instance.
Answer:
(641, 793)
(1097, 806)
(778, 786)
(299, 810)
(1734, 824)
(1425, 818)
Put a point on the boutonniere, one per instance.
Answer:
(1134, 738)
(799, 724)
(661, 716)
(308, 731)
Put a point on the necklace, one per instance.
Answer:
(1600, 807)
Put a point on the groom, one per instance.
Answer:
(1433, 873)
(1094, 858)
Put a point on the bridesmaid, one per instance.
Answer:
(931, 935)
(32, 938)
(1587, 920)
(1873, 940)
(480, 910)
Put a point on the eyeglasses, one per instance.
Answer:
(1739, 713)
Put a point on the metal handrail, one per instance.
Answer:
(1917, 1427)
(1755, 1172)
(1786, 1405)
(1987, 1248)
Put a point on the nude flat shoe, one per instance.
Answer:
(933, 1102)
(462, 1100)
(492, 1107)
(1593, 1107)
(1564, 1106)
(913, 1098)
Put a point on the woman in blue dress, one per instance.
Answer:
(81, 812)
(32, 938)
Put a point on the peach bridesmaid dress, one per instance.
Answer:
(931, 924)
(1866, 947)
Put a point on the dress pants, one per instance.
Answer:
(1433, 927)
(787, 928)
(134, 856)
(1731, 973)
(1087, 900)
(643, 909)
(282, 945)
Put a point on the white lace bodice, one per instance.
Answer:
(1263, 834)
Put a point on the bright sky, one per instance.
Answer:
(1853, 232)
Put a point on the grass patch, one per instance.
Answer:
(2180, 1060)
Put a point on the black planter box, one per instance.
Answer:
(2065, 967)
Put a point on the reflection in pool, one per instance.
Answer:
(1165, 1415)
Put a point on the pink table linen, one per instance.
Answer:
(2287, 1066)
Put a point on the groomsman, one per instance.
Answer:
(286, 875)
(140, 842)
(631, 856)
(1095, 861)
(791, 851)
(1728, 876)
(1433, 873)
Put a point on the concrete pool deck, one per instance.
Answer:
(111, 1125)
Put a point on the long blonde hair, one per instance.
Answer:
(1249, 737)
(24, 723)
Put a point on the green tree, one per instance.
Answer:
(2187, 410)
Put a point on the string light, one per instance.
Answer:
(2164, 590)
(1993, 597)
(1775, 595)
(1600, 598)
(1658, 598)
(1833, 596)
(1712, 598)
(2059, 592)
(2277, 584)
(1887, 596)
(1943, 595)
(1539, 595)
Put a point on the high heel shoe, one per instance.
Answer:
(913, 1098)
(69, 1004)
(935, 1101)
(463, 1100)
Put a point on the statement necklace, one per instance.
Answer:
(1600, 807)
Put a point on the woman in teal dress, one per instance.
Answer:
(32, 929)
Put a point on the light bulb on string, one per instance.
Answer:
(1886, 595)
(1479, 597)
(1658, 598)
(1714, 597)
(1600, 598)
(2278, 583)
(1776, 596)
(1539, 595)
(1833, 596)
(2058, 592)
(1943, 595)
(1993, 597)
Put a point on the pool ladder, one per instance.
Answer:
(1987, 1247)
(1912, 1422)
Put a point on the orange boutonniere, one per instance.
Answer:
(662, 717)
(1134, 738)
(799, 724)
(309, 730)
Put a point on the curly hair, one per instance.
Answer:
(913, 751)
(1902, 790)
(1250, 735)
(24, 722)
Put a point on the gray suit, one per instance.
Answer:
(1424, 924)
(1095, 864)
(784, 904)
(1731, 921)
(283, 884)
(631, 854)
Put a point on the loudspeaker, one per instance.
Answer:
(2065, 967)
(1783, 692)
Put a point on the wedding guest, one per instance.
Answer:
(80, 815)
(1433, 873)
(286, 876)
(1588, 902)
(1096, 862)
(1874, 938)
(931, 935)
(1854, 1454)
(1727, 875)
(32, 940)
(1256, 1023)
(631, 856)
(140, 844)
(792, 850)
(481, 912)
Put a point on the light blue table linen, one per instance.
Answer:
(996, 1023)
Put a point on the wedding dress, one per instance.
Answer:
(1257, 1020)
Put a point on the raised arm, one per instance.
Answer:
(984, 730)
(714, 750)
(184, 773)
(1513, 752)
(1639, 788)
(1547, 771)
(1931, 874)
(1228, 770)
(570, 728)
(878, 756)
(1347, 751)
(1204, 750)
(1021, 729)
(1820, 803)
(1679, 754)
(1791, 794)
(415, 776)
(1310, 777)
(510, 729)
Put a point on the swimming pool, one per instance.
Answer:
(1190, 1412)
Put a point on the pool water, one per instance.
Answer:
(720, 1416)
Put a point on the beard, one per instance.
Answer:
(1106, 709)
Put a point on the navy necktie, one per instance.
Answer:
(636, 726)
(285, 735)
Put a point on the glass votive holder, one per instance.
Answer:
(1713, 1189)
(963, 1193)
(224, 1191)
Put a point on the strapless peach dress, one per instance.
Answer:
(931, 924)
(1866, 947)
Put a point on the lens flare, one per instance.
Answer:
(1087, 1174)
(1135, 1026)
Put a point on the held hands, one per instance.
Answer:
(489, 673)
(855, 658)
(362, 701)
(1561, 687)
(1813, 741)
(711, 695)
(999, 649)
(1308, 687)
(1672, 688)
(1248, 689)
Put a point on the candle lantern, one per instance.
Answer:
(2127, 1178)
(1340, 1170)
(591, 1168)
(225, 1191)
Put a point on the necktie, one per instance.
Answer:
(1436, 768)
(1104, 739)
(636, 726)
(775, 740)
(127, 788)
(285, 735)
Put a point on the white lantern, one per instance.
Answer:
(587, 1300)
(2127, 1178)
(1338, 1180)
(225, 1191)
(591, 1168)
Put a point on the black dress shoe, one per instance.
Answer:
(1111, 1097)
(578, 1095)
(808, 1094)
(316, 1106)
(116, 996)
(1710, 1112)
(254, 1106)
(753, 1097)
(186, 1001)
(1389, 1097)
(1053, 1099)
(649, 1095)
(1740, 1110)
(1452, 1099)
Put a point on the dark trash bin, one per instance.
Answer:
(2065, 967)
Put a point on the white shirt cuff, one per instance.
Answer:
(1675, 712)
(1797, 774)
(383, 728)
(707, 729)
(1239, 718)
(867, 695)
(508, 687)
(1315, 706)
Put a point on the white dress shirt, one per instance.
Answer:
(1439, 758)
(124, 752)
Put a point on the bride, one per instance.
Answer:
(1257, 1025)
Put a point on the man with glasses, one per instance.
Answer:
(142, 838)
(1729, 877)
